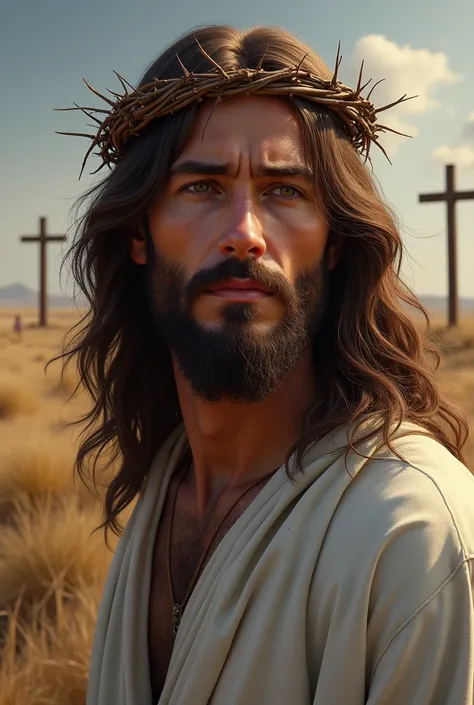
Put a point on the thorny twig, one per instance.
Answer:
(133, 111)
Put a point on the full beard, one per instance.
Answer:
(236, 361)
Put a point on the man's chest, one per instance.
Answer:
(175, 558)
(183, 547)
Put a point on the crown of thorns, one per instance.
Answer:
(131, 112)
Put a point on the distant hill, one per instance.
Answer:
(439, 305)
(440, 301)
(21, 296)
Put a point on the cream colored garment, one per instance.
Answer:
(354, 586)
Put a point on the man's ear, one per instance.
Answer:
(137, 246)
(334, 249)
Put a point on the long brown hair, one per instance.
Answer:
(371, 359)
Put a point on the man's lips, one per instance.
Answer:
(236, 289)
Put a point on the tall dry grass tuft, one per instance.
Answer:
(40, 466)
(16, 398)
(50, 543)
(52, 565)
(64, 382)
(47, 661)
(456, 373)
(453, 339)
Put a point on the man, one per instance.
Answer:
(304, 529)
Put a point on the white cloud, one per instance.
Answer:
(461, 155)
(468, 131)
(406, 70)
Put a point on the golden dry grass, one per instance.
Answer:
(50, 541)
(38, 469)
(456, 372)
(16, 398)
(52, 565)
(46, 661)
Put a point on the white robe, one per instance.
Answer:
(353, 586)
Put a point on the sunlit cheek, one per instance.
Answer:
(308, 243)
(300, 240)
(182, 232)
(171, 241)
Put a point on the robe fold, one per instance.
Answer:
(352, 586)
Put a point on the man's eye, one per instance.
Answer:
(289, 192)
(199, 187)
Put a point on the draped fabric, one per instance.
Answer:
(353, 585)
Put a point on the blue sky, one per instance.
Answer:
(419, 46)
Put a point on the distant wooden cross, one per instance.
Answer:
(450, 196)
(43, 240)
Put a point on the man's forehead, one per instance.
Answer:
(255, 119)
(275, 109)
(260, 130)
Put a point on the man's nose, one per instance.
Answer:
(243, 235)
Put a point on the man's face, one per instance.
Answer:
(239, 269)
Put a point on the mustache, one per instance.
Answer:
(241, 269)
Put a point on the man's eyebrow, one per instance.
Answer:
(296, 170)
(191, 166)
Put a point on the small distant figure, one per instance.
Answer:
(18, 327)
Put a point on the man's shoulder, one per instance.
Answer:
(417, 511)
(402, 528)
(417, 485)
(426, 480)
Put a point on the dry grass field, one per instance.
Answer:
(52, 567)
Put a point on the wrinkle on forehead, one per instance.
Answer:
(247, 131)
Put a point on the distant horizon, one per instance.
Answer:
(55, 294)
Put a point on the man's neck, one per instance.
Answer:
(233, 444)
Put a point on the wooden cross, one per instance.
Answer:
(43, 239)
(450, 196)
